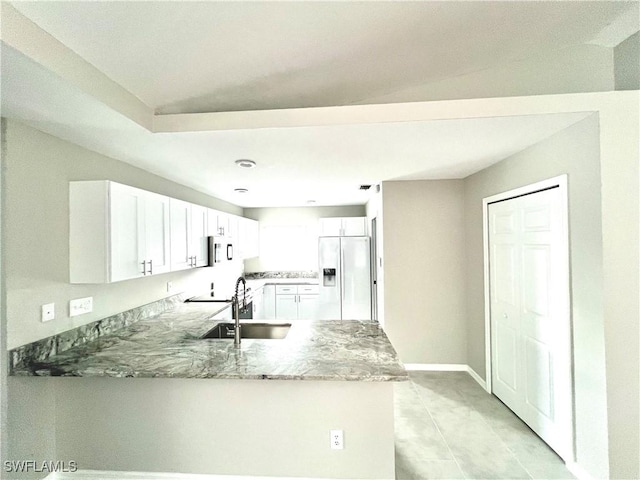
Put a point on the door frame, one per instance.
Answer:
(374, 268)
(560, 182)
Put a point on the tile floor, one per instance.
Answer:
(448, 427)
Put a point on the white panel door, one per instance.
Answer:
(530, 325)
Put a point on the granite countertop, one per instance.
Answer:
(168, 345)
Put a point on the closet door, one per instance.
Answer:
(530, 324)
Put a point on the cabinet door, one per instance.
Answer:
(258, 309)
(330, 227)
(308, 307)
(212, 222)
(127, 232)
(286, 307)
(180, 234)
(223, 224)
(198, 242)
(269, 302)
(157, 233)
(354, 226)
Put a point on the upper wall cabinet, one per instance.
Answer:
(117, 232)
(189, 229)
(343, 226)
(220, 223)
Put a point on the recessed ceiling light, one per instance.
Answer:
(244, 163)
(240, 190)
(311, 202)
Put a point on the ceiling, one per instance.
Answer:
(190, 57)
(184, 57)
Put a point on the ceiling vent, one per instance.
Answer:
(365, 187)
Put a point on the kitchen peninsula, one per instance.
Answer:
(203, 406)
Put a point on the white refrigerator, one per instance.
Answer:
(345, 278)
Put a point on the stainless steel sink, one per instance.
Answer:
(271, 331)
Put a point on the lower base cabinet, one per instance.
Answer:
(296, 302)
(286, 302)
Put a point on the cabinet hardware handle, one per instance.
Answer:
(144, 267)
(150, 267)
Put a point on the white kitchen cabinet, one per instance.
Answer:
(181, 256)
(258, 304)
(296, 302)
(343, 226)
(117, 232)
(198, 238)
(157, 230)
(286, 307)
(219, 223)
(269, 302)
(188, 235)
(308, 306)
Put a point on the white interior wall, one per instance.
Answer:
(233, 427)
(627, 63)
(578, 68)
(38, 170)
(424, 283)
(574, 151)
(31, 426)
(289, 236)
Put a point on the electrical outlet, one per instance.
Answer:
(80, 306)
(337, 439)
(48, 312)
(169, 287)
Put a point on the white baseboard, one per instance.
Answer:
(436, 367)
(117, 475)
(477, 378)
(579, 472)
(446, 367)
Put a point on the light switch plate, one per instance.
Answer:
(48, 312)
(80, 306)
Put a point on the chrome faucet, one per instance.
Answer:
(236, 308)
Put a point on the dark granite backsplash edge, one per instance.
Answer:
(281, 274)
(41, 350)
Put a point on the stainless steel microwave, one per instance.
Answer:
(220, 250)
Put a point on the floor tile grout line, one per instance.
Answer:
(438, 429)
(497, 434)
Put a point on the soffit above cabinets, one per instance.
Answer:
(191, 57)
(322, 154)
